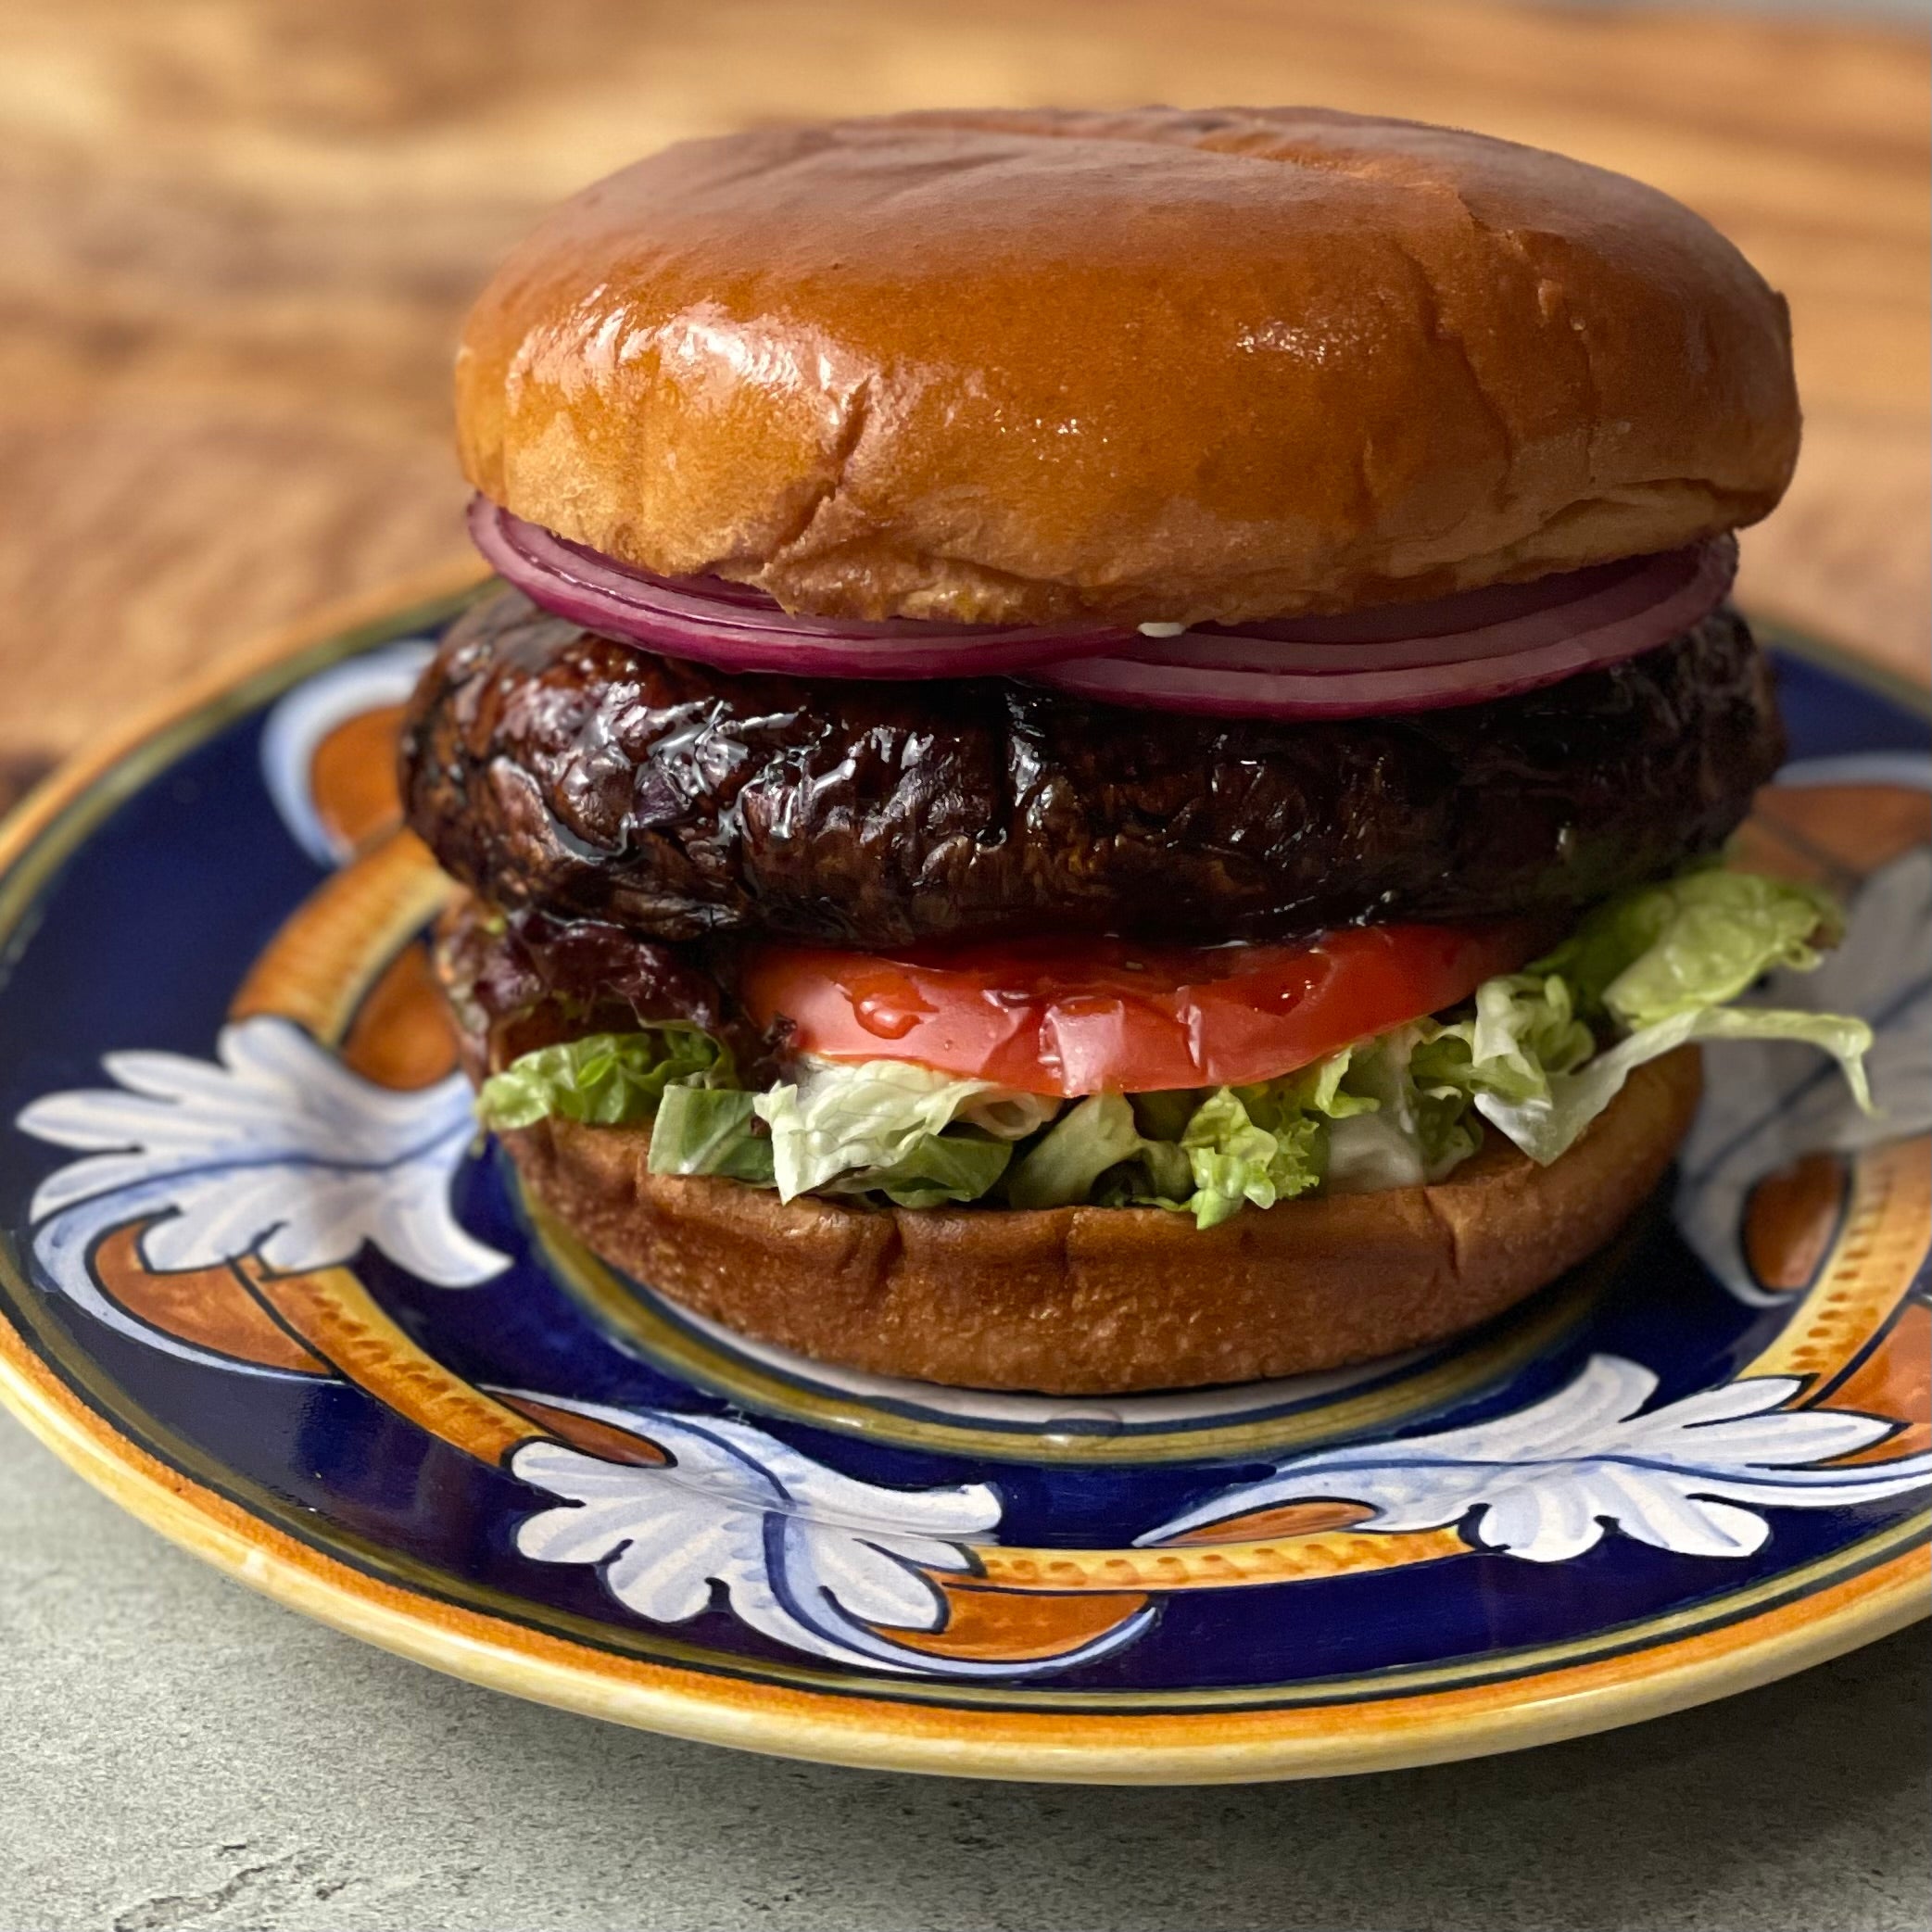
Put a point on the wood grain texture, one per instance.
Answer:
(236, 240)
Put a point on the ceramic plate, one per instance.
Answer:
(260, 1282)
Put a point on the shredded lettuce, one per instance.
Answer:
(1651, 970)
(961, 1164)
(1546, 1125)
(1204, 1154)
(1698, 939)
(1236, 1161)
(1222, 1151)
(1355, 1121)
(604, 1079)
(1092, 1136)
(839, 1122)
(1409, 1125)
(710, 1131)
(1660, 962)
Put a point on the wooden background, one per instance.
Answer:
(236, 240)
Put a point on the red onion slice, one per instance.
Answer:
(1576, 604)
(1461, 650)
(738, 628)
(1619, 613)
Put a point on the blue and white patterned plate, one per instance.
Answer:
(259, 1281)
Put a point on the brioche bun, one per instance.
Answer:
(1185, 365)
(1095, 1301)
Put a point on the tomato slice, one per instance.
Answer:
(1073, 1017)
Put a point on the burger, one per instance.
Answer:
(1105, 758)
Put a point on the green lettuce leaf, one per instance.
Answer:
(1696, 941)
(1659, 964)
(960, 1165)
(840, 1119)
(1408, 1126)
(1331, 1086)
(1063, 1168)
(1523, 1033)
(1164, 1117)
(1236, 1161)
(1211, 1155)
(710, 1131)
(1060, 1168)
(604, 1079)
(1546, 1125)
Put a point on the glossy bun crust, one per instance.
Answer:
(1009, 366)
(1104, 1300)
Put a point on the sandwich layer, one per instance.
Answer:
(1106, 1300)
(554, 769)
(1186, 365)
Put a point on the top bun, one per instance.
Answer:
(1166, 364)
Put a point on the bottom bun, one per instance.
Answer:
(1093, 1301)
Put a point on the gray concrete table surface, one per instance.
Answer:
(178, 1753)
